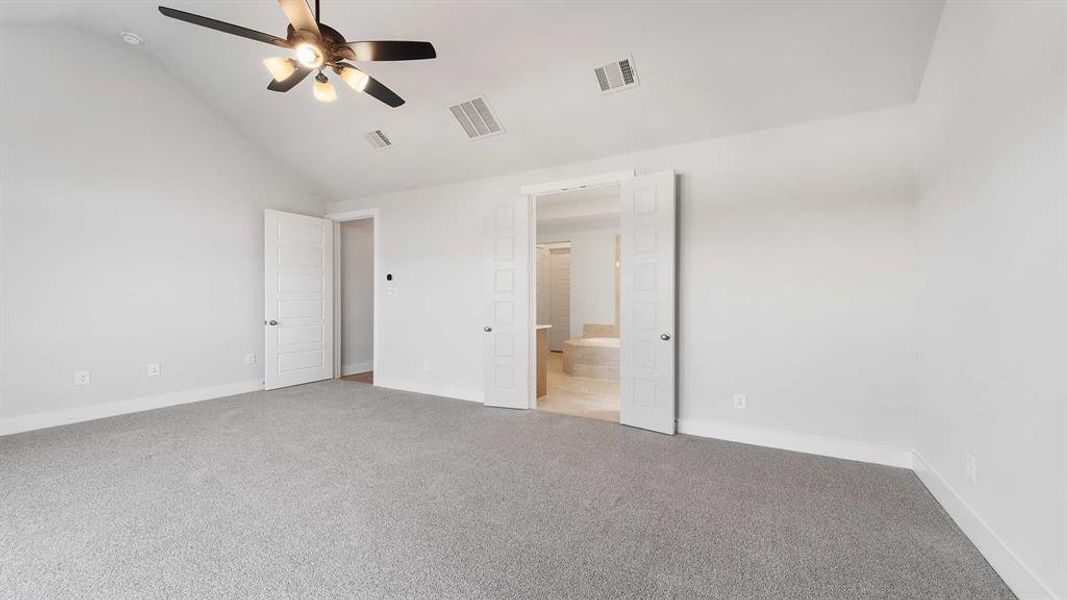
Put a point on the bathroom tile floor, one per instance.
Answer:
(592, 398)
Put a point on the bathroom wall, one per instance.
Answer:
(592, 268)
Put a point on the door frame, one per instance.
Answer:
(375, 216)
(531, 192)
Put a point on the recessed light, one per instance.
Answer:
(131, 38)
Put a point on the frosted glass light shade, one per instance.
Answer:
(355, 78)
(280, 68)
(323, 91)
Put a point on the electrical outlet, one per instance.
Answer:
(970, 468)
(153, 370)
(82, 378)
(250, 358)
(740, 401)
(426, 365)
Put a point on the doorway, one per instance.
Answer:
(577, 299)
(356, 309)
(356, 275)
(646, 301)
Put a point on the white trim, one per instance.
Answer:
(375, 215)
(1024, 582)
(577, 183)
(878, 454)
(122, 407)
(444, 391)
(356, 368)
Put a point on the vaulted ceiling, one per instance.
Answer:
(705, 70)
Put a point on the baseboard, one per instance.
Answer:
(111, 409)
(355, 368)
(799, 442)
(1006, 563)
(445, 391)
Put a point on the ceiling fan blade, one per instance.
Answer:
(371, 87)
(300, 16)
(387, 50)
(223, 26)
(291, 81)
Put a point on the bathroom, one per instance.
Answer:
(577, 264)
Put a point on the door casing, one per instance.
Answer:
(375, 215)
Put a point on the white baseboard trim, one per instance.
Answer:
(799, 442)
(1006, 563)
(445, 391)
(111, 409)
(355, 368)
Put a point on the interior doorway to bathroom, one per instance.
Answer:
(356, 295)
(577, 302)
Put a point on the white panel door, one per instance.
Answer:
(647, 278)
(298, 299)
(507, 329)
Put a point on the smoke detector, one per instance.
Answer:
(131, 38)
(616, 76)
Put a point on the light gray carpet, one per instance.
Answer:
(343, 490)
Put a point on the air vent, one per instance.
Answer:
(378, 139)
(476, 118)
(615, 76)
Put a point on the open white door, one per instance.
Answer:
(507, 329)
(298, 294)
(646, 361)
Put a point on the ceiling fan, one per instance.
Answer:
(317, 46)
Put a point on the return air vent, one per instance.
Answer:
(476, 118)
(378, 139)
(615, 76)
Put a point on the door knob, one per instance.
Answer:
(665, 337)
(272, 322)
(487, 329)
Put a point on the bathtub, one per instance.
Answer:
(592, 358)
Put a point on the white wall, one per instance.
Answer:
(592, 271)
(993, 250)
(797, 264)
(132, 231)
(357, 296)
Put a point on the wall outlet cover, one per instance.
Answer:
(154, 370)
(740, 401)
(82, 378)
(250, 358)
(970, 467)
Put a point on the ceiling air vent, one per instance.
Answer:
(476, 118)
(615, 76)
(378, 139)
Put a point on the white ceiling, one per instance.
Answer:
(706, 70)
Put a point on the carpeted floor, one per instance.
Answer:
(343, 490)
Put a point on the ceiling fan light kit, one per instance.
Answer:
(317, 46)
(322, 89)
